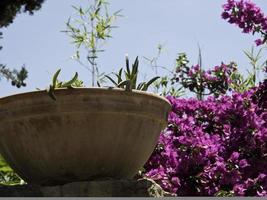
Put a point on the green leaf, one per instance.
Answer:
(128, 85)
(133, 80)
(127, 65)
(58, 85)
(114, 82)
(68, 84)
(74, 7)
(81, 11)
(119, 76)
(127, 75)
(54, 81)
(135, 66)
(152, 80)
(141, 85)
(97, 11)
(6, 169)
(50, 92)
(122, 83)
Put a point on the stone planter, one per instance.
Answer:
(86, 134)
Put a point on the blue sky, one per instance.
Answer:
(180, 25)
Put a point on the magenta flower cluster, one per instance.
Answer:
(247, 16)
(214, 146)
(260, 96)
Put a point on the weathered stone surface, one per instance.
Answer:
(112, 133)
(20, 191)
(100, 188)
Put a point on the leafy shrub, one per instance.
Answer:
(216, 81)
(7, 175)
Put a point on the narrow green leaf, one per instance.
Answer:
(74, 7)
(50, 92)
(97, 11)
(127, 65)
(68, 84)
(54, 81)
(127, 75)
(144, 88)
(119, 76)
(134, 80)
(140, 85)
(126, 83)
(152, 80)
(120, 72)
(135, 66)
(114, 82)
(117, 13)
(123, 83)
(248, 54)
(81, 11)
(58, 84)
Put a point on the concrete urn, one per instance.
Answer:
(86, 134)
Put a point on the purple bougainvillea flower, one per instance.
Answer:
(213, 145)
(247, 16)
(259, 42)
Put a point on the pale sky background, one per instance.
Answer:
(180, 25)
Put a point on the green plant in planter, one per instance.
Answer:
(89, 31)
(7, 175)
(74, 82)
(129, 83)
(131, 75)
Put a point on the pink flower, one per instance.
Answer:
(259, 42)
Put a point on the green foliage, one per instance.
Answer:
(182, 60)
(7, 175)
(164, 85)
(17, 77)
(8, 11)
(216, 81)
(91, 30)
(10, 8)
(154, 60)
(223, 193)
(241, 83)
(131, 75)
(74, 82)
(255, 60)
